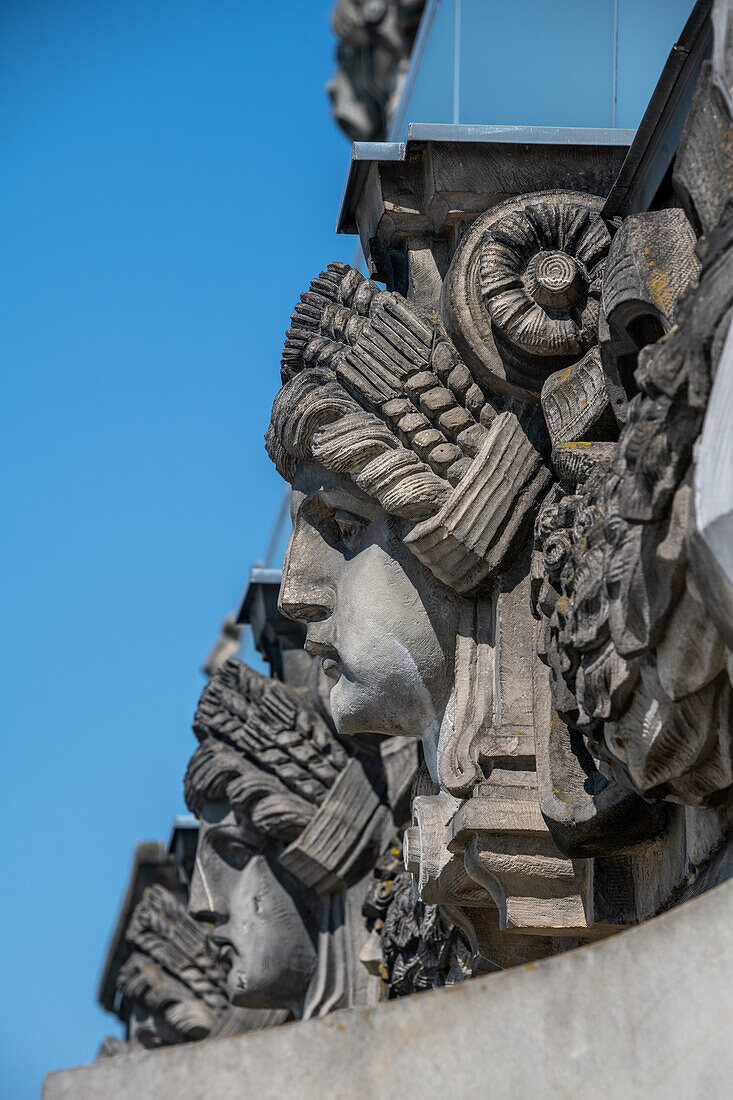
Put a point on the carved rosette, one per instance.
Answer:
(521, 298)
(540, 273)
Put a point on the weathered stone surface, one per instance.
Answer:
(620, 604)
(711, 543)
(413, 946)
(643, 1013)
(415, 479)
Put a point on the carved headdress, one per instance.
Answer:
(266, 752)
(175, 975)
(438, 418)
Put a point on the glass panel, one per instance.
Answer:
(647, 31)
(542, 64)
(536, 63)
(432, 96)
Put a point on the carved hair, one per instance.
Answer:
(378, 393)
(263, 750)
(444, 430)
(173, 971)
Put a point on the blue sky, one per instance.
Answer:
(170, 179)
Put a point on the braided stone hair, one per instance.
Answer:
(263, 750)
(376, 392)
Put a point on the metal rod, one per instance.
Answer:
(615, 63)
(457, 61)
(277, 528)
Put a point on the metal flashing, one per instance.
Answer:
(365, 153)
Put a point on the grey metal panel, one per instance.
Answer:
(257, 576)
(523, 135)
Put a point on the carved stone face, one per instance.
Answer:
(383, 626)
(259, 928)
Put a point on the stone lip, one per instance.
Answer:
(649, 1011)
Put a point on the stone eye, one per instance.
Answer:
(351, 529)
(234, 852)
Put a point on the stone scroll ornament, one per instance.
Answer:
(291, 823)
(434, 423)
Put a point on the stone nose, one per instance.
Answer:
(204, 904)
(306, 594)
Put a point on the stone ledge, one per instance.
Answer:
(646, 1013)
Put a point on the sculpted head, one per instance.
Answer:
(381, 623)
(411, 487)
(171, 981)
(267, 782)
(239, 886)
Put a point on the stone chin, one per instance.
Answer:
(237, 986)
(393, 700)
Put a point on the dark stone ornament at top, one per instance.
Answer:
(521, 298)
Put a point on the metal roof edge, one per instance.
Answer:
(364, 153)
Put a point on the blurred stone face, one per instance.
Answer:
(260, 932)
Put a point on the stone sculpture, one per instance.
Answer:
(291, 823)
(417, 471)
(413, 946)
(637, 661)
(172, 984)
(421, 446)
(375, 38)
(512, 503)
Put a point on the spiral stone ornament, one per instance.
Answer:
(522, 297)
(540, 277)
